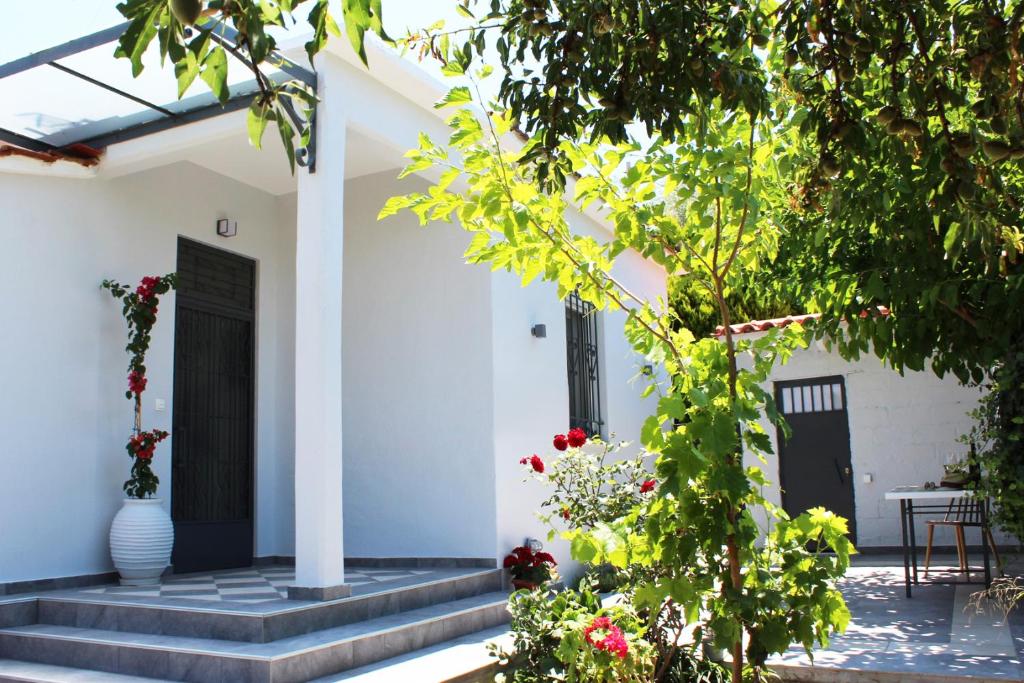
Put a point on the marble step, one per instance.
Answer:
(287, 660)
(254, 624)
(13, 671)
(462, 660)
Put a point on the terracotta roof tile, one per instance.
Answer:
(763, 325)
(77, 154)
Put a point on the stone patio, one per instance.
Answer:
(932, 637)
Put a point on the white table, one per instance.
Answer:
(928, 504)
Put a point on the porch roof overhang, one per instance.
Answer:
(65, 100)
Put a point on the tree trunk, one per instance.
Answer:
(732, 550)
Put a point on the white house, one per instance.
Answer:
(334, 387)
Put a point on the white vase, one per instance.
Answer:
(141, 538)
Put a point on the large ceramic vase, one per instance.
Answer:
(141, 538)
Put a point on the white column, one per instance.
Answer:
(319, 547)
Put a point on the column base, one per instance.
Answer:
(320, 593)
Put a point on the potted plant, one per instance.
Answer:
(956, 474)
(530, 569)
(141, 535)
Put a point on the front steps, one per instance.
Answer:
(278, 643)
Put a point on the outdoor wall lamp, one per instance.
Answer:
(539, 331)
(227, 227)
(534, 545)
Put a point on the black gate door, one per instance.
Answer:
(815, 468)
(212, 451)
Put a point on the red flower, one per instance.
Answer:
(577, 437)
(143, 444)
(613, 642)
(647, 486)
(147, 288)
(136, 382)
(521, 555)
(536, 463)
(523, 460)
(510, 561)
(565, 514)
(542, 558)
(560, 442)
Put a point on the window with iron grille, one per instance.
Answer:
(581, 342)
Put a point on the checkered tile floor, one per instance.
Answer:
(254, 585)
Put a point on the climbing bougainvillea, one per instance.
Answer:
(139, 309)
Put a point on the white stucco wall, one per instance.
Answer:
(531, 387)
(64, 416)
(418, 462)
(902, 428)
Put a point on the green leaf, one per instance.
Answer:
(395, 204)
(362, 16)
(284, 128)
(456, 96)
(139, 34)
(215, 73)
(256, 121)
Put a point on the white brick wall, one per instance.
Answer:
(901, 430)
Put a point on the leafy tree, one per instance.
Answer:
(911, 188)
(702, 210)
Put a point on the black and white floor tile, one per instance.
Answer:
(254, 585)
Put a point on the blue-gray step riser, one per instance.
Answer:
(252, 628)
(209, 667)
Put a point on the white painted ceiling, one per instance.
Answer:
(268, 170)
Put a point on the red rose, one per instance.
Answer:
(647, 486)
(523, 461)
(577, 437)
(560, 442)
(565, 514)
(536, 463)
(510, 561)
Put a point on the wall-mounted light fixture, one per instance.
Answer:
(534, 545)
(227, 227)
(539, 331)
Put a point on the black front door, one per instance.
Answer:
(212, 451)
(815, 468)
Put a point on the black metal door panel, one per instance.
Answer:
(212, 451)
(815, 467)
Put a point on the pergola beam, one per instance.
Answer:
(221, 33)
(72, 47)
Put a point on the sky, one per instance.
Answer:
(28, 27)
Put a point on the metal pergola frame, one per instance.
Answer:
(222, 34)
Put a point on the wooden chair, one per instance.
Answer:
(961, 513)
